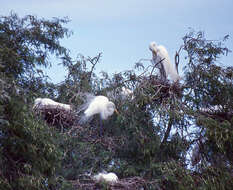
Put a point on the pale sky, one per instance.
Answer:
(123, 29)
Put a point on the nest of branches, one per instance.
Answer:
(56, 116)
(130, 183)
(94, 135)
(160, 90)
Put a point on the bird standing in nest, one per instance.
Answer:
(162, 59)
(98, 105)
(41, 103)
(106, 177)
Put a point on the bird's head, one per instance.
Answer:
(153, 47)
(107, 110)
(111, 108)
(37, 102)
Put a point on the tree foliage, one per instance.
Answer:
(29, 152)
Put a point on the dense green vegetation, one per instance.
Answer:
(148, 144)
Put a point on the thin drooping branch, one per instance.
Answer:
(162, 72)
(166, 135)
(93, 61)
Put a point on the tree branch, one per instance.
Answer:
(166, 135)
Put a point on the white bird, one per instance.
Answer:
(109, 177)
(160, 54)
(41, 103)
(125, 92)
(100, 105)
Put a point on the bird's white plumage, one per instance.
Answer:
(100, 105)
(41, 103)
(109, 177)
(125, 92)
(159, 53)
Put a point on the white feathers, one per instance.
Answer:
(108, 178)
(125, 92)
(100, 105)
(160, 53)
(41, 103)
(121, 93)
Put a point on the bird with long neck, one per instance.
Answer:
(99, 105)
(160, 56)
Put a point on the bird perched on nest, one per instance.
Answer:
(98, 105)
(106, 177)
(125, 92)
(161, 57)
(41, 103)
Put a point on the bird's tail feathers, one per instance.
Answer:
(84, 119)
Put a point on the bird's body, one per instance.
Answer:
(103, 177)
(160, 54)
(41, 103)
(100, 105)
(125, 92)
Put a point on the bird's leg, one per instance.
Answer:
(163, 73)
(101, 127)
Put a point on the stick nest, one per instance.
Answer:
(130, 183)
(159, 90)
(56, 116)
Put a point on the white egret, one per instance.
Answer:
(125, 92)
(106, 177)
(96, 105)
(160, 54)
(100, 105)
(41, 103)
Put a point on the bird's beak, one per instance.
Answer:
(116, 111)
(154, 53)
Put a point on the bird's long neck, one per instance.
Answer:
(177, 60)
